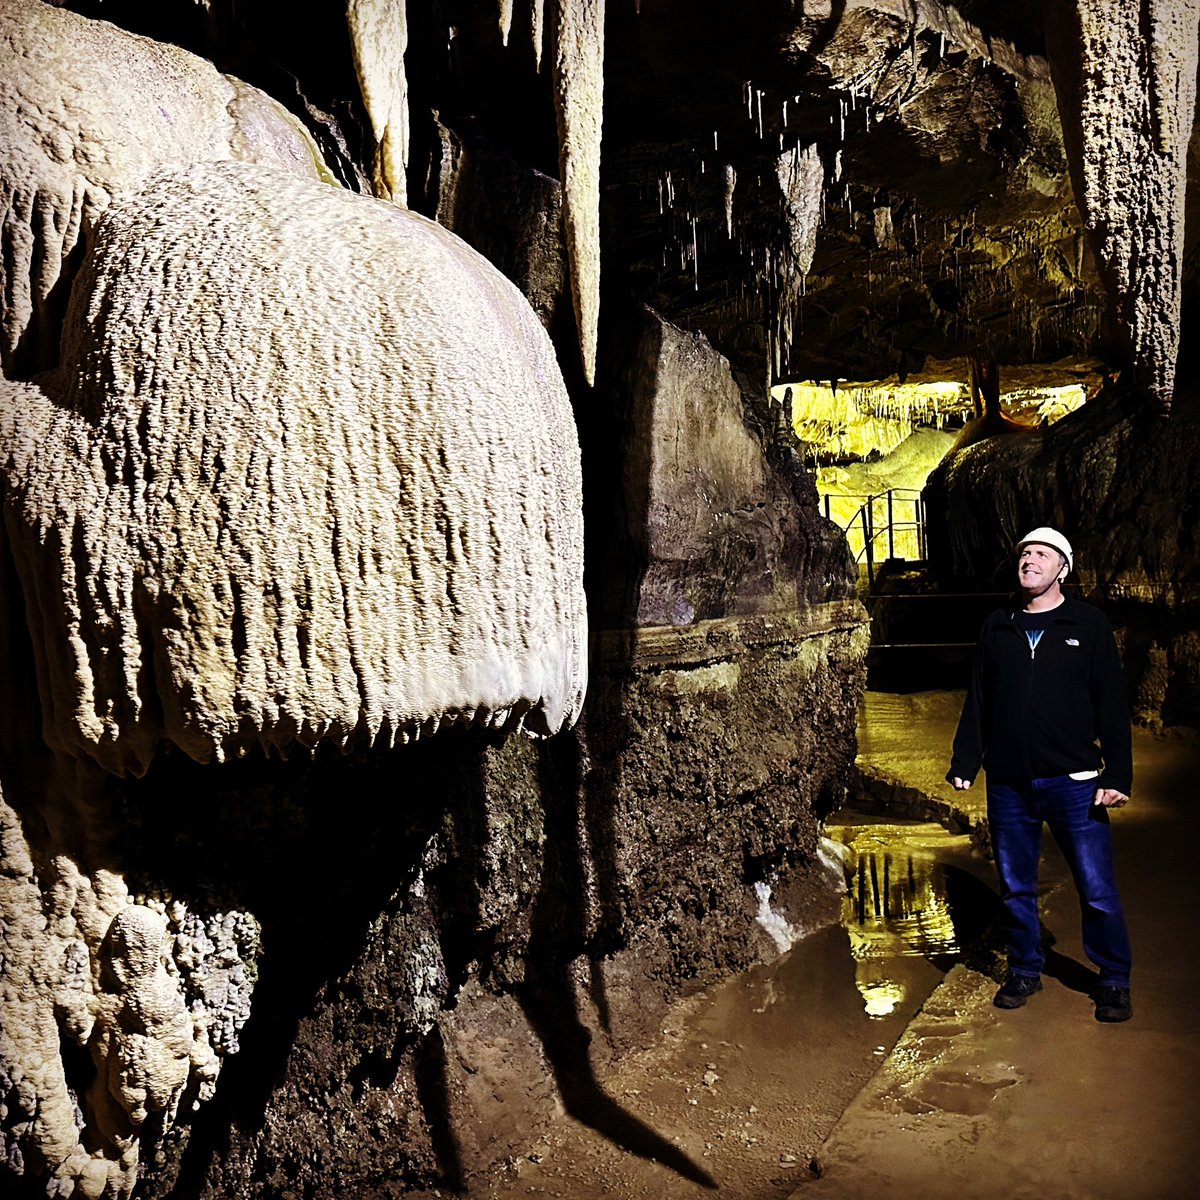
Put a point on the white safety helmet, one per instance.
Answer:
(1045, 536)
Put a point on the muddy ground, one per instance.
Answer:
(750, 1077)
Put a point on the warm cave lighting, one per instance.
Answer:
(853, 420)
(881, 997)
(896, 905)
(843, 421)
(873, 445)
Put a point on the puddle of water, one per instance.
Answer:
(904, 899)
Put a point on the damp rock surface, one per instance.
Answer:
(310, 462)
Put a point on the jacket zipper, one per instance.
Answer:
(1028, 690)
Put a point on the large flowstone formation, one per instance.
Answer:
(293, 543)
(305, 476)
(307, 493)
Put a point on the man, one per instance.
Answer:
(1047, 718)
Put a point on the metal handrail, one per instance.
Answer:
(866, 517)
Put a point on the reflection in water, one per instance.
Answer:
(896, 903)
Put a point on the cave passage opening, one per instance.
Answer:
(872, 444)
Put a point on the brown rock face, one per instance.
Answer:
(712, 526)
(478, 952)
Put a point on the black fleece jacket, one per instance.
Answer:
(1030, 714)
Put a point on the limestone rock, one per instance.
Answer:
(713, 528)
(155, 1001)
(308, 472)
(507, 211)
(87, 112)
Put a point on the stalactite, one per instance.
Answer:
(537, 29)
(579, 105)
(730, 184)
(379, 38)
(802, 181)
(1127, 146)
(505, 20)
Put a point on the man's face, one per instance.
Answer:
(1038, 566)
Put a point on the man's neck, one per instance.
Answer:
(1052, 597)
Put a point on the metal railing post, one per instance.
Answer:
(868, 539)
(891, 526)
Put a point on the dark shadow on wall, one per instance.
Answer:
(589, 771)
(558, 933)
(433, 1090)
(324, 854)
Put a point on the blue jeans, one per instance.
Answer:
(1081, 829)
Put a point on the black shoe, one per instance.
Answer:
(1113, 1004)
(1016, 989)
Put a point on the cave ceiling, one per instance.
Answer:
(827, 189)
(947, 225)
(942, 224)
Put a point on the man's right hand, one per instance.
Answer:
(961, 784)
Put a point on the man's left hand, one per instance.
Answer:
(1110, 797)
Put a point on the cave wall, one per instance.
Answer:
(540, 923)
(289, 905)
(715, 517)
(406, 961)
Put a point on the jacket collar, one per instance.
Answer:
(1064, 612)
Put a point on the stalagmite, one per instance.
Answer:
(579, 106)
(379, 39)
(308, 464)
(1127, 147)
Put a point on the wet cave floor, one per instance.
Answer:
(867, 1060)
(750, 1076)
